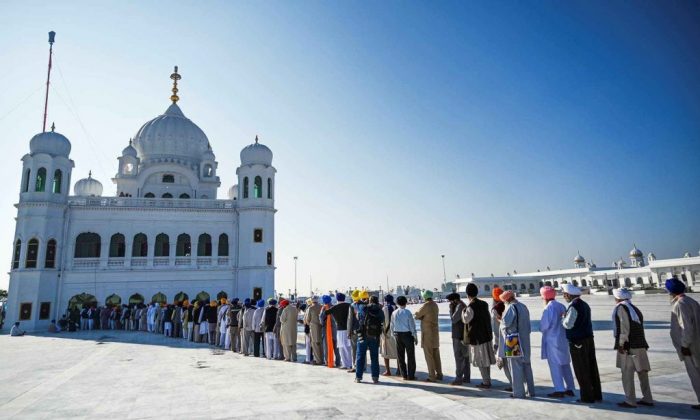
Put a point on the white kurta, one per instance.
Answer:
(555, 346)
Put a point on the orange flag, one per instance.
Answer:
(329, 340)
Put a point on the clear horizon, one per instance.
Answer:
(506, 136)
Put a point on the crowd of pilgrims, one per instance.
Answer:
(339, 334)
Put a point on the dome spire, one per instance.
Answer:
(175, 76)
(53, 127)
(256, 139)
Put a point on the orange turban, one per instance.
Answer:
(496, 294)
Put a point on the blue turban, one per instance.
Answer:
(261, 303)
(272, 301)
(326, 299)
(675, 286)
(235, 301)
(246, 301)
(340, 297)
(389, 299)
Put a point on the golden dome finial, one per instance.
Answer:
(175, 76)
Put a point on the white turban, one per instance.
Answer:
(571, 289)
(622, 293)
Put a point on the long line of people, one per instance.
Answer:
(340, 335)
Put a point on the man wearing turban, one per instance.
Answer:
(516, 319)
(555, 348)
(579, 332)
(288, 330)
(685, 331)
(631, 346)
(430, 336)
(497, 310)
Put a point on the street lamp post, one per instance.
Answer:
(295, 278)
(444, 273)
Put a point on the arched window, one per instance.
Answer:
(140, 248)
(202, 296)
(181, 297)
(269, 187)
(40, 180)
(87, 245)
(556, 284)
(584, 283)
(208, 171)
(136, 299)
(168, 179)
(113, 300)
(184, 195)
(628, 282)
(184, 245)
(223, 245)
(245, 187)
(159, 298)
(50, 260)
(532, 286)
(57, 178)
(15, 258)
(26, 180)
(32, 252)
(204, 245)
(167, 195)
(269, 258)
(640, 280)
(117, 246)
(575, 283)
(487, 287)
(162, 245)
(257, 188)
(150, 195)
(595, 283)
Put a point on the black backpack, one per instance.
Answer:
(372, 324)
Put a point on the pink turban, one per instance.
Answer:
(506, 296)
(548, 293)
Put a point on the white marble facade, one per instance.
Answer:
(164, 232)
(637, 274)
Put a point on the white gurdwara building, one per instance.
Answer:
(164, 237)
(637, 275)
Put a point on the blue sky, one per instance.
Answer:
(505, 135)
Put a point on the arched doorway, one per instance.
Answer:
(202, 296)
(113, 300)
(159, 298)
(181, 297)
(136, 299)
(82, 300)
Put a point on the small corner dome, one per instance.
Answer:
(208, 155)
(129, 151)
(256, 153)
(636, 252)
(51, 143)
(233, 192)
(579, 258)
(88, 187)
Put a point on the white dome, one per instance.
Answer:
(256, 153)
(651, 256)
(208, 154)
(129, 150)
(171, 135)
(50, 142)
(636, 252)
(233, 192)
(579, 258)
(88, 187)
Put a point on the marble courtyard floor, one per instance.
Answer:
(114, 374)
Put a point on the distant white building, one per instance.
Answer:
(164, 237)
(636, 275)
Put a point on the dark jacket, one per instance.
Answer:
(340, 315)
(583, 327)
(478, 330)
(270, 318)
